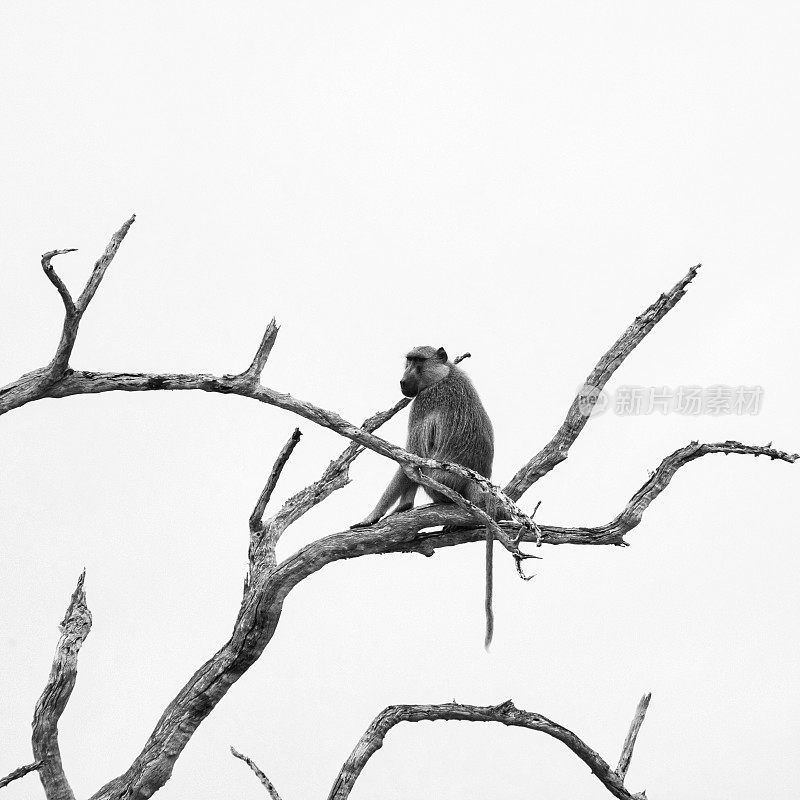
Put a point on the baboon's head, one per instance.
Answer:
(425, 366)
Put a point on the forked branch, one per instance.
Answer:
(74, 311)
(269, 582)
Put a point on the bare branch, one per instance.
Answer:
(253, 372)
(265, 781)
(269, 583)
(258, 618)
(631, 515)
(20, 772)
(505, 713)
(335, 476)
(75, 311)
(101, 265)
(405, 532)
(85, 382)
(49, 270)
(272, 481)
(557, 449)
(266, 590)
(612, 532)
(630, 739)
(74, 628)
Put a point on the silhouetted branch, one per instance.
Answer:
(74, 629)
(557, 449)
(506, 713)
(265, 781)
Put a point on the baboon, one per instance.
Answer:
(447, 422)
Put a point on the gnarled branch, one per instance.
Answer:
(506, 713)
(268, 582)
(74, 629)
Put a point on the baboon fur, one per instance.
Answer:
(447, 422)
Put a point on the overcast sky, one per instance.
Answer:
(518, 180)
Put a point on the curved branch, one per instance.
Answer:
(557, 449)
(53, 277)
(505, 713)
(74, 629)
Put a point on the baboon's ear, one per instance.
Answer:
(441, 354)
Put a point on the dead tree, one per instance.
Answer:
(268, 581)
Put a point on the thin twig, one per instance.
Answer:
(20, 772)
(630, 739)
(272, 481)
(265, 781)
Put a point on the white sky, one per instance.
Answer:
(512, 179)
